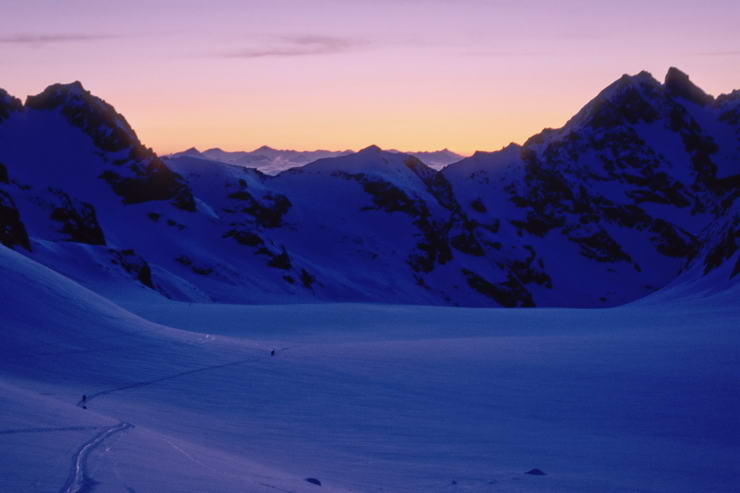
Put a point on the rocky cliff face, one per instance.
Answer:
(633, 192)
(614, 203)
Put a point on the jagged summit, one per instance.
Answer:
(632, 99)
(58, 93)
(192, 151)
(8, 103)
(265, 148)
(370, 148)
(108, 128)
(512, 147)
(628, 98)
(89, 137)
(643, 79)
(678, 84)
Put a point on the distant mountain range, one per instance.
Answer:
(639, 191)
(272, 161)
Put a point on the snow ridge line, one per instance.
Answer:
(78, 480)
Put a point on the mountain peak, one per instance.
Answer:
(644, 78)
(512, 149)
(370, 148)
(8, 103)
(264, 148)
(74, 87)
(677, 83)
(191, 152)
(629, 98)
(108, 128)
(58, 93)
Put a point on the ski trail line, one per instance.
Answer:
(78, 480)
(49, 430)
(165, 378)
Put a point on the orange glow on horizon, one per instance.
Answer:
(412, 76)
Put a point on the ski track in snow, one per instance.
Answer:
(48, 430)
(162, 379)
(78, 480)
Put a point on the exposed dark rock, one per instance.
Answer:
(723, 251)
(389, 198)
(313, 481)
(109, 130)
(268, 213)
(135, 265)
(184, 199)
(78, 220)
(535, 472)
(244, 237)
(8, 104)
(601, 247)
(154, 182)
(671, 242)
(627, 101)
(539, 225)
(509, 293)
(281, 261)
(678, 85)
(477, 206)
(184, 260)
(434, 247)
(307, 279)
(149, 178)
(175, 224)
(12, 230)
(3, 174)
(528, 271)
(241, 195)
(466, 242)
(202, 270)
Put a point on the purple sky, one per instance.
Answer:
(407, 74)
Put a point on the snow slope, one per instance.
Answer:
(364, 398)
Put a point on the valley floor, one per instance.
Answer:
(365, 398)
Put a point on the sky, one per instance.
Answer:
(343, 74)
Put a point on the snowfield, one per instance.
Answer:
(366, 398)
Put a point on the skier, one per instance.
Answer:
(272, 353)
(84, 401)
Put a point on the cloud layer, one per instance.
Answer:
(44, 39)
(305, 45)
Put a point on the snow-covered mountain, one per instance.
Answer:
(625, 199)
(268, 160)
(435, 159)
(273, 161)
(614, 204)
